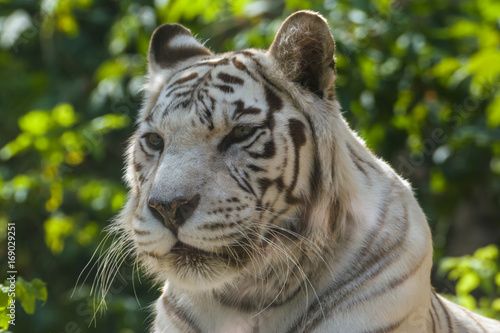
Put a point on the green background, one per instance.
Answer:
(419, 80)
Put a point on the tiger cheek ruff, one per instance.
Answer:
(259, 209)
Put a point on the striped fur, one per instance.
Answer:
(296, 226)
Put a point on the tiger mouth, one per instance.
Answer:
(188, 251)
(184, 249)
(185, 253)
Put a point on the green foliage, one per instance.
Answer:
(418, 80)
(479, 272)
(29, 292)
(5, 301)
(25, 292)
(60, 142)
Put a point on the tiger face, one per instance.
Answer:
(222, 163)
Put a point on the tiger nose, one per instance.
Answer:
(173, 214)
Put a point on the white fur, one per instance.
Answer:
(352, 196)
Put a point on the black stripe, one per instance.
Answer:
(141, 232)
(246, 53)
(355, 156)
(264, 184)
(241, 66)
(445, 310)
(138, 166)
(166, 56)
(184, 79)
(389, 328)
(269, 151)
(178, 54)
(361, 169)
(230, 79)
(142, 178)
(139, 218)
(367, 265)
(255, 168)
(433, 308)
(180, 315)
(297, 132)
(388, 286)
(433, 320)
(179, 104)
(174, 90)
(472, 317)
(274, 102)
(254, 140)
(215, 63)
(205, 111)
(219, 225)
(248, 190)
(315, 176)
(381, 258)
(205, 63)
(245, 180)
(241, 110)
(148, 155)
(152, 113)
(224, 88)
(225, 237)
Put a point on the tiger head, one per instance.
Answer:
(237, 156)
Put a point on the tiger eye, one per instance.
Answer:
(154, 141)
(241, 132)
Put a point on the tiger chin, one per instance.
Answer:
(259, 209)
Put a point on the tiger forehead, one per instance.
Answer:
(204, 87)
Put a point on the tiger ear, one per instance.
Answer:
(303, 49)
(171, 44)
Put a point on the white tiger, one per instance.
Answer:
(258, 207)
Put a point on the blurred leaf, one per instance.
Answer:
(36, 122)
(467, 301)
(438, 182)
(90, 231)
(22, 142)
(489, 252)
(495, 305)
(29, 292)
(489, 9)
(493, 112)
(297, 4)
(67, 24)
(57, 228)
(485, 66)
(468, 282)
(118, 201)
(5, 301)
(64, 115)
(110, 69)
(446, 67)
(56, 197)
(464, 28)
(472, 272)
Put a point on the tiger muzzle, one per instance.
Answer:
(175, 213)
